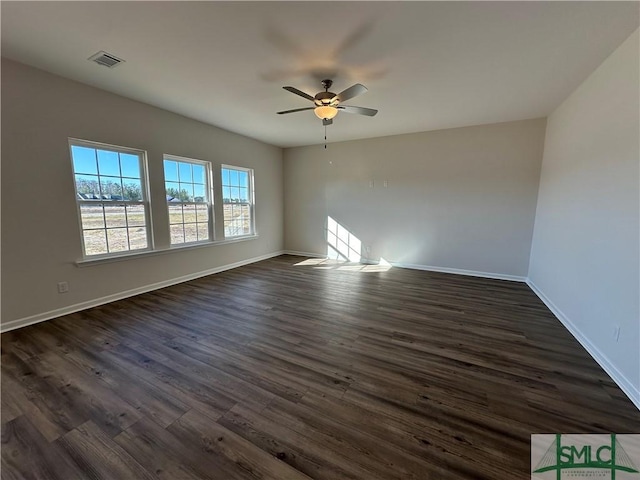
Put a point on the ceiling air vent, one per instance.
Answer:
(105, 59)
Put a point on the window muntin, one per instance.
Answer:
(187, 187)
(111, 196)
(237, 199)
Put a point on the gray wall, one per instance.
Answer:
(584, 258)
(459, 199)
(40, 231)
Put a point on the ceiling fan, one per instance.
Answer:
(328, 104)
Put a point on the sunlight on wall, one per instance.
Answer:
(343, 253)
(341, 243)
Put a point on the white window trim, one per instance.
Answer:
(252, 202)
(144, 180)
(210, 203)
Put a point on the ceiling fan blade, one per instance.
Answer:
(369, 112)
(295, 110)
(352, 91)
(327, 121)
(299, 92)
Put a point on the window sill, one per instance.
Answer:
(86, 262)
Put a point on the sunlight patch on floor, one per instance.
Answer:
(344, 266)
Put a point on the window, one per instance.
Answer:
(112, 197)
(237, 199)
(187, 189)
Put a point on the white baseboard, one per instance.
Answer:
(429, 268)
(623, 382)
(458, 271)
(41, 317)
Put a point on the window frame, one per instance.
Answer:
(145, 202)
(209, 203)
(251, 203)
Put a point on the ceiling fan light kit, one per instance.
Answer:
(327, 104)
(325, 112)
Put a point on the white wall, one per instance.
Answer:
(40, 232)
(584, 258)
(460, 199)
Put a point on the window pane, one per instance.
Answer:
(175, 214)
(84, 160)
(136, 216)
(111, 188)
(228, 216)
(199, 174)
(235, 194)
(172, 190)
(243, 194)
(108, 163)
(95, 242)
(184, 171)
(177, 234)
(245, 219)
(137, 238)
(130, 165)
(243, 179)
(189, 213)
(92, 216)
(132, 189)
(170, 171)
(199, 193)
(226, 194)
(117, 239)
(115, 216)
(190, 232)
(225, 176)
(202, 213)
(186, 192)
(88, 187)
(233, 177)
(203, 231)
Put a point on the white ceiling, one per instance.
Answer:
(428, 65)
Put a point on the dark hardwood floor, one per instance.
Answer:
(290, 369)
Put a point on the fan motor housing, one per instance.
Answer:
(325, 99)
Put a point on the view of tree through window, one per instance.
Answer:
(186, 187)
(237, 198)
(111, 198)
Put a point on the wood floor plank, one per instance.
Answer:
(294, 368)
(26, 402)
(98, 456)
(27, 454)
(221, 442)
(169, 457)
(305, 454)
(93, 399)
(192, 391)
(142, 395)
(57, 406)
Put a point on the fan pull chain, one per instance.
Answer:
(325, 137)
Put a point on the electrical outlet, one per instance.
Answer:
(370, 183)
(63, 287)
(385, 184)
(616, 333)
